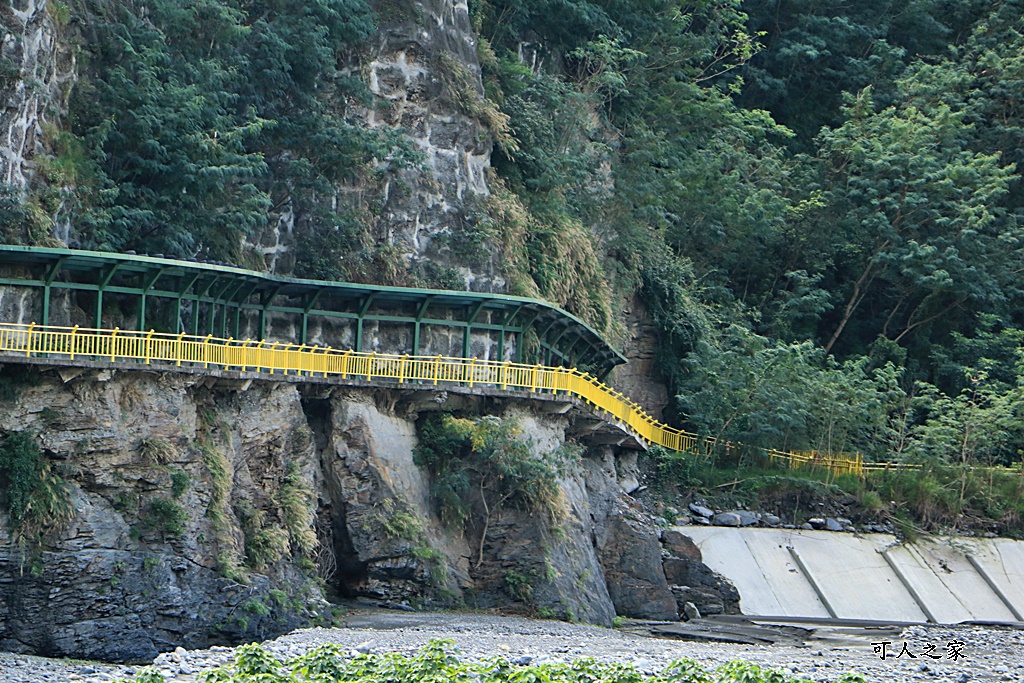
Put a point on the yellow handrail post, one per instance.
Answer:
(181, 351)
(533, 382)
(283, 362)
(327, 351)
(504, 375)
(245, 353)
(472, 366)
(302, 352)
(345, 369)
(113, 336)
(227, 352)
(149, 346)
(273, 356)
(206, 350)
(28, 340)
(437, 368)
(369, 365)
(401, 369)
(74, 331)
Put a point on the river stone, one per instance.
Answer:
(727, 519)
(833, 525)
(747, 518)
(701, 511)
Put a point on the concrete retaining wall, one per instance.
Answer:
(793, 573)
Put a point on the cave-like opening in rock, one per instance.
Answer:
(339, 564)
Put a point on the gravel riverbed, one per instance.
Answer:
(988, 654)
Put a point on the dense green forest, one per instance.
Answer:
(818, 202)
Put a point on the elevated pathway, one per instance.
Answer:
(240, 324)
(829, 575)
(247, 360)
(603, 415)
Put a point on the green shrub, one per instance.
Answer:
(179, 483)
(166, 516)
(34, 496)
(264, 544)
(256, 607)
(402, 524)
(518, 586)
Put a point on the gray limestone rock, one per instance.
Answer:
(701, 511)
(726, 519)
(748, 518)
(680, 545)
(116, 582)
(630, 553)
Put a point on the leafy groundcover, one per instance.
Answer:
(438, 662)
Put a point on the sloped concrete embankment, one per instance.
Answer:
(795, 573)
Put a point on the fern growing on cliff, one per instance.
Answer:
(298, 508)
(34, 496)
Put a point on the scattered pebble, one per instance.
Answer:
(989, 654)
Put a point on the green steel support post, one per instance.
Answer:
(178, 326)
(466, 333)
(305, 314)
(197, 304)
(218, 297)
(416, 326)
(101, 285)
(50, 277)
(568, 352)
(225, 300)
(359, 322)
(147, 284)
(504, 330)
(263, 311)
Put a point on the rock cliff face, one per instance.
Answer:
(424, 71)
(36, 71)
(165, 477)
(205, 510)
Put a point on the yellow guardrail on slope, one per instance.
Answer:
(317, 361)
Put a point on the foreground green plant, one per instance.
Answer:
(438, 662)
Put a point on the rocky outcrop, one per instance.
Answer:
(641, 379)
(694, 582)
(36, 71)
(385, 536)
(208, 510)
(166, 477)
(424, 73)
(627, 543)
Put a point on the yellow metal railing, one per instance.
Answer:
(317, 361)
